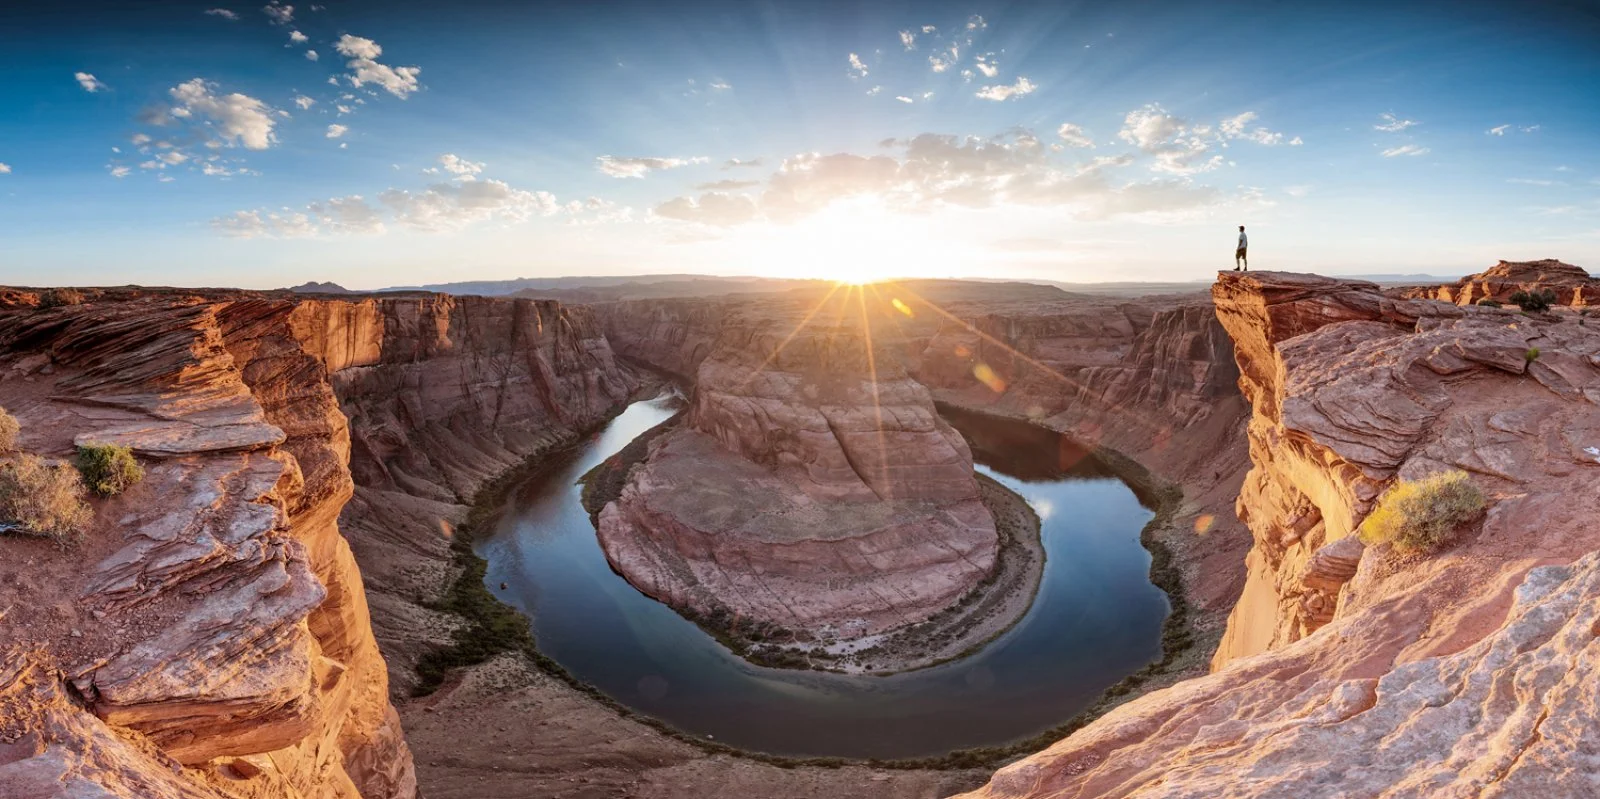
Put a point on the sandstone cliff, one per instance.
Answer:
(1351, 671)
(214, 622)
(1571, 284)
(213, 616)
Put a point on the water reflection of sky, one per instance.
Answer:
(1096, 619)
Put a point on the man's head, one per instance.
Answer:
(1241, 228)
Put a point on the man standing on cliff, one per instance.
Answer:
(1238, 255)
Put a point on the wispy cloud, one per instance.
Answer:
(304, 102)
(904, 99)
(437, 208)
(1002, 93)
(908, 39)
(335, 131)
(1074, 136)
(221, 12)
(1498, 130)
(1405, 150)
(89, 82)
(1393, 124)
(5, 169)
(278, 13)
(639, 167)
(364, 67)
(858, 69)
(741, 163)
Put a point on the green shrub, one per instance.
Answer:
(1534, 300)
(1489, 302)
(108, 469)
(1422, 515)
(55, 298)
(8, 431)
(42, 499)
(1531, 355)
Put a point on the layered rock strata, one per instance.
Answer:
(1571, 284)
(1349, 670)
(214, 618)
(812, 487)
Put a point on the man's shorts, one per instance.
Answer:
(1239, 253)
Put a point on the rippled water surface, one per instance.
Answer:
(1096, 619)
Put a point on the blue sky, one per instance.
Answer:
(158, 143)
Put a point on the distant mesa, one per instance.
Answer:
(1572, 285)
(313, 287)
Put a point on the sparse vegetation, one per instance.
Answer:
(42, 499)
(108, 469)
(55, 298)
(1531, 355)
(1534, 301)
(1489, 302)
(1423, 515)
(8, 431)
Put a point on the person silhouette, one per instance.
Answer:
(1239, 254)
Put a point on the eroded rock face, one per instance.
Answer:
(212, 611)
(812, 486)
(1347, 670)
(1572, 285)
(214, 620)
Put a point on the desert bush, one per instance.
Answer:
(108, 469)
(1534, 300)
(1531, 355)
(8, 431)
(1422, 515)
(42, 499)
(55, 298)
(1489, 302)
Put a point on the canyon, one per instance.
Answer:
(249, 620)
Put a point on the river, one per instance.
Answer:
(1095, 620)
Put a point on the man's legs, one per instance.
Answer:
(1244, 256)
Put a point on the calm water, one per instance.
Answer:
(1096, 619)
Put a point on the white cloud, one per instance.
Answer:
(459, 166)
(263, 224)
(1179, 147)
(639, 167)
(857, 68)
(1405, 149)
(909, 39)
(335, 131)
(311, 55)
(1239, 128)
(350, 214)
(1532, 182)
(904, 99)
(976, 23)
(165, 178)
(1498, 130)
(296, 37)
(235, 118)
(986, 65)
(441, 207)
(712, 208)
(1074, 136)
(734, 163)
(1529, 128)
(139, 139)
(1297, 191)
(5, 169)
(1002, 93)
(277, 12)
(363, 54)
(873, 92)
(932, 171)
(304, 102)
(172, 157)
(929, 29)
(89, 82)
(120, 171)
(1393, 124)
(221, 12)
(721, 86)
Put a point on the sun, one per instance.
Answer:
(854, 242)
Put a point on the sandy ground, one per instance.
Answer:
(504, 731)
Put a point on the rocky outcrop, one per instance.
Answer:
(1571, 284)
(1349, 670)
(812, 487)
(214, 620)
